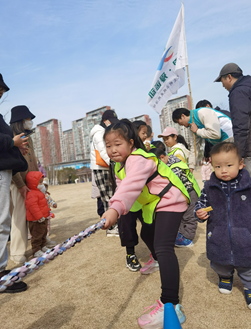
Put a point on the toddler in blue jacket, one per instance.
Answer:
(228, 242)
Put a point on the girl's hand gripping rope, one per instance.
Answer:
(111, 217)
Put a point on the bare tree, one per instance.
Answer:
(1, 102)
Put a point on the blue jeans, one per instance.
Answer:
(5, 219)
(226, 271)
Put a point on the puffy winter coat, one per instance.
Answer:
(36, 204)
(240, 108)
(97, 136)
(229, 225)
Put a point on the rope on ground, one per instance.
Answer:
(17, 274)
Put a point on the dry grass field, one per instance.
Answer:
(89, 286)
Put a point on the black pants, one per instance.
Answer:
(100, 207)
(38, 235)
(160, 238)
(127, 228)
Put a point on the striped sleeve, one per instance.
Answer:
(200, 204)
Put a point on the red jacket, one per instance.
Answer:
(36, 204)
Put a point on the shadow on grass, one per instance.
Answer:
(55, 318)
(124, 306)
(68, 230)
(60, 231)
(58, 201)
(213, 277)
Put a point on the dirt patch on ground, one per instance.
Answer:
(90, 287)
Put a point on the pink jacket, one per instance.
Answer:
(138, 169)
(206, 171)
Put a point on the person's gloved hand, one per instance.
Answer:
(41, 220)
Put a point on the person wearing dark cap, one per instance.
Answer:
(239, 87)
(11, 161)
(100, 162)
(21, 122)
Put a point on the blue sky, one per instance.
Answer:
(65, 58)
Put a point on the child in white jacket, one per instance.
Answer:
(206, 169)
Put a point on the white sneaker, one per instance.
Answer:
(50, 243)
(150, 267)
(44, 249)
(39, 253)
(18, 259)
(154, 319)
(113, 231)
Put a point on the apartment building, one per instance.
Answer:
(166, 114)
(68, 146)
(52, 146)
(48, 142)
(143, 117)
(81, 129)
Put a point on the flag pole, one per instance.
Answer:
(191, 102)
(189, 85)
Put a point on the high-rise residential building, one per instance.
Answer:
(143, 117)
(68, 146)
(48, 142)
(81, 129)
(167, 111)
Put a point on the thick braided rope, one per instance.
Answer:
(18, 273)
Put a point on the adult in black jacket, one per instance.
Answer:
(11, 161)
(239, 88)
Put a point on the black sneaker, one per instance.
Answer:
(225, 285)
(16, 287)
(132, 263)
(248, 297)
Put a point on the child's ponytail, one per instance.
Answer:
(181, 139)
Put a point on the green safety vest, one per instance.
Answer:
(120, 173)
(177, 148)
(148, 201)
(184, 167)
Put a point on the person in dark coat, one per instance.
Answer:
(239, 87)
(11, 162)
(228, 192)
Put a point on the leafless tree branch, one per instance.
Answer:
(3, 99)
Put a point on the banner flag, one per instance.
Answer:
(170, 75)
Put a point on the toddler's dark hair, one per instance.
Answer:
(178, 112)
(157, 151)
(226, 147)
(203, 103)
(126, 130)
(159, 144)
(138, 124)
